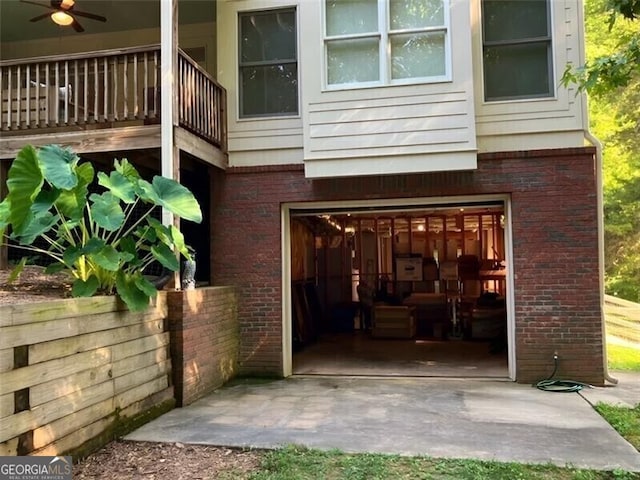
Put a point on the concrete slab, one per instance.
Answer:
(447, 418)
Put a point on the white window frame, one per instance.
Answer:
(240, 64)
(550, 60)
(384, 34)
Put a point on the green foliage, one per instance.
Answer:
(614, 69)
(94, 236)
(615, 120)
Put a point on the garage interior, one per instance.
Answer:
(432, 279)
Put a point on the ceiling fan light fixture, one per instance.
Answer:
(67, 4)
(62, 18)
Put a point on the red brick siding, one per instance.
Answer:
(553, 192)
(203, 326)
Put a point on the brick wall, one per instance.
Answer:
(553, 192)
(204, 340)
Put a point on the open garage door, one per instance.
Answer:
(419, 290)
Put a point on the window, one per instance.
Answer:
(516, 40)
(378, 42)
(268, 66)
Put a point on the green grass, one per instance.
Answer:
(298, 463)
(625, 420)
(621, 357)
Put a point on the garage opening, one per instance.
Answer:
(413, 291)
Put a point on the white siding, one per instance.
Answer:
(555, 122)
(401, 129)
(265, 141)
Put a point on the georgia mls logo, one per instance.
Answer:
(35, 468)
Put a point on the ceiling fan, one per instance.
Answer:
(64, 13)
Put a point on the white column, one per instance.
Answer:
(170, 159)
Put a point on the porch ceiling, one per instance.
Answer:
(121, 15)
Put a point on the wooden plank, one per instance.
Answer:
(47, 331)
(9, 448)
(130, 364)
(99, 413)
(81, 435)
(28, 313)
(75, 439)
(199, 148)
(141, 376)
(7, 405)
(47, 413)
(124, 399)
(41, 352)
(49, 391)
(134, 347)
(20, 314)
(6, 359)
(32, 375)
(89, 141)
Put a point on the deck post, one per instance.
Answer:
(170, 156)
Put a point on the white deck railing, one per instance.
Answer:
(108, 88)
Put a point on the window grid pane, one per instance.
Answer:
(516, 49)
(353, 61)
(517, 71)
(270, 90)
(268, 71)
(351, 17)
(414, 35)
(418, 55)
(412, 14)
(514, 20)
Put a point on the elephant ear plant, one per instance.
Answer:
(95, 236)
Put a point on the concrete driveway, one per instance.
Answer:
(448, 418)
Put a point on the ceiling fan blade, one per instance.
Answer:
(40, 17)
(92, 16)
(76, 26)
(38, 4)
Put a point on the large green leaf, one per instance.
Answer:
(106, 211)
(72, 203)
(5, 211)
(178, 242)
(24, 182)
(146, 286)
(129, 252)
(135, 298)
(35, 228)
(108, 258)
(58, 166)
(119, 185)
(158, 232)
(174, 197)
(165, 256)
(81, 288)
(126, 169)
(44, 200)
(72, 254)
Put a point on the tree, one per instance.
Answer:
(617, 68)
(614, 111)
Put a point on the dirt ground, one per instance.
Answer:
(33, 285)
(121, 460)
(168, 461)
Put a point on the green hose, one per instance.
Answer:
(556, 385)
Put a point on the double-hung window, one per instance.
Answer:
(382, 42)
(268, 65)
(517, 53)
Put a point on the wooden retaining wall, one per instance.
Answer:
(75, 370)
(205, 340)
